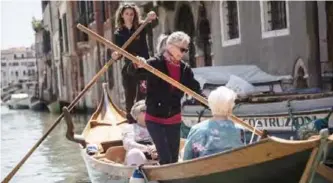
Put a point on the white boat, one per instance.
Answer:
(18, 101)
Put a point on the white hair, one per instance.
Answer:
(177, 37)
(221, 101)
(137, 108)
(161, 42)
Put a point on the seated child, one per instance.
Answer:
(136, 139)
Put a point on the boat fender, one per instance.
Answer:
(138, 176)
(91, 149)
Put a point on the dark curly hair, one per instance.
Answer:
(119, 19)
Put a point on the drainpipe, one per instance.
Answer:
(317, 43)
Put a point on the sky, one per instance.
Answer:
(16, 17)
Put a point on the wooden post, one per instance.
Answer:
(325, 171)
(315, 158)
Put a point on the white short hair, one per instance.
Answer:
(221, 101)
(137, 108)
(178, 37)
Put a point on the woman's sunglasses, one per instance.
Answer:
(183, 50)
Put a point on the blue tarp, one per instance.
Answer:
(220, 75)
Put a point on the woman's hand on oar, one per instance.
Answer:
(141, 63)
(151, 16)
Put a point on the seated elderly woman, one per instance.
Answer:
(136, 139)
(218, 133)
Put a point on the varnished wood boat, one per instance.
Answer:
(269, 160)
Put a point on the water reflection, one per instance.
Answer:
(55, 160)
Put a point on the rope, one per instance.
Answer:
(143, 173)
(291, 116)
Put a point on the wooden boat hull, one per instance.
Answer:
(271, 165)
(286, 169)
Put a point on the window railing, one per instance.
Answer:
(277, 11)
(232, 19)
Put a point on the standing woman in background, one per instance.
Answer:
(127, 22)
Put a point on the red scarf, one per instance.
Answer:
(173, 67)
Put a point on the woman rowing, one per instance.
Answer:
(163, 115)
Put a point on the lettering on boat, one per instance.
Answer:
(278, 123)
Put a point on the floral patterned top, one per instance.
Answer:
(134, 133)
(210, 137)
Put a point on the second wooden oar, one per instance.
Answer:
(71, 106)
(163, 76)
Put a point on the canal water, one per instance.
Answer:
(55, 160)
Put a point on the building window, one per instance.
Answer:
(90, 11)
(16, 73)
(30, 64)
(83, 17)
(104, 12)
(230, 23)
(23, 73)
(22, 56)
(46, 42)
(14, 56)
(15, 63)
(274, 18)
(3, 64)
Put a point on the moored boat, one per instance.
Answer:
(282, 119)
(18, 101)
(282, 112)
(37, 104)
(269, 160)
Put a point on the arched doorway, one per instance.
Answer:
(203, 41)
(300, 75)
(185, 23)
(300, 79)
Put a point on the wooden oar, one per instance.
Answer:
(74, 102)
(163, 76)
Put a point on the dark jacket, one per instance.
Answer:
(160, 100)
(138, 47)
